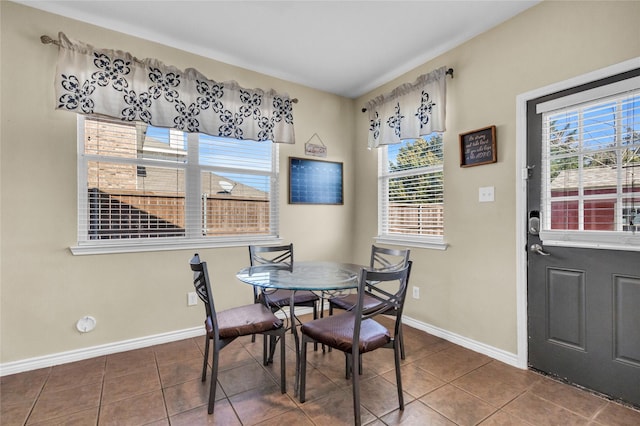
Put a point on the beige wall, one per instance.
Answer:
(44, 288)
(468, 289)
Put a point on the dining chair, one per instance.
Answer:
(356, 332)
(280, 257)
(225, 326)
(382, 259)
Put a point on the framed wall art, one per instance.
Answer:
(478, 147)
(315, 181)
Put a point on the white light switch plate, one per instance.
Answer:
(486, 194)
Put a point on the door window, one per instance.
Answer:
(591, 167)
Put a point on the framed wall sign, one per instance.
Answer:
(315, 149)
(315, 181)
(478, 147)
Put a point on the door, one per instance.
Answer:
(583, 243)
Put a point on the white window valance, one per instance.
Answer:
(115, 84)
(409, 111)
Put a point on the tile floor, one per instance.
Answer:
(444, 384)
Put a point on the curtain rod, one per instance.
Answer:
(448, 72)
(45, 39)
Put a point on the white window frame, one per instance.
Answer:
(193, 238)
(410, 240)
(612, 240)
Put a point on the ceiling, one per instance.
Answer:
(342, 47)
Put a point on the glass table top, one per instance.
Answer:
(320, 276)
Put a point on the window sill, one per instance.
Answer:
(433, 244)
(592, 239)
(109, 247)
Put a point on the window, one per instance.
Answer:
(591, 165)
(411, 192)
(147, 188)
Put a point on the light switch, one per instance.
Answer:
(486, 194)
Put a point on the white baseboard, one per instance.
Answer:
(143, 342)
(490, 351)
(92, 352)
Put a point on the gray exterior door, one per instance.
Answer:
(583, 303)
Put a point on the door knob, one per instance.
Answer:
(537, 248)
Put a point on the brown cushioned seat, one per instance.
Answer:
(283, 297)
(336, 331)
(349, 301)
(244, 320)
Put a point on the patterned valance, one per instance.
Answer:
(116, 84)
(409, 111)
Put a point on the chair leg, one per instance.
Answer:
(303, 370)
(398, 377)
(265, 350)
(355, 360)
(283, 372)
(322, 314)
(214, 378)
(206, 358)
(315, 317)
(347, 366)
(401, 341)
(273, 340)
(330, 313)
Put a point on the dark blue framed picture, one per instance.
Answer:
(315, 181)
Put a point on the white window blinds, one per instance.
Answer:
(140, 184)
(591, 161)
(411, 189)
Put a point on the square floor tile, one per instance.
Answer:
(452, 363)
(618, 415)
(457, 405)
(540, 412)
(261, 404)
(137, 383)
(569, 397)
(188, 395)
(418, 414)
(140, 410)
(67, 401)
(223, 415)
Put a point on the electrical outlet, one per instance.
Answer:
(416, 292)
(192, 298)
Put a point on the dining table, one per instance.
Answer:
(325, 278)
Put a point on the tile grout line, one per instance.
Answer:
(164, 396)
(37, 398)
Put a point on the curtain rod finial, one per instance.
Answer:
(45, 39)
(450, 72)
